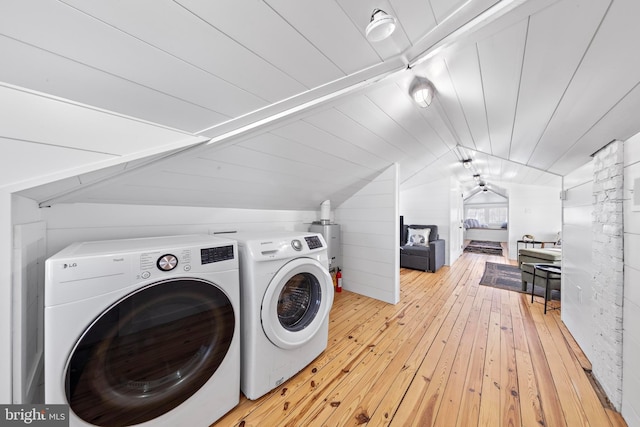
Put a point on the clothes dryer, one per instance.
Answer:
(286, 293)
(143, 331)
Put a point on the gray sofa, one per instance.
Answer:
(426, 258)
(527, 258)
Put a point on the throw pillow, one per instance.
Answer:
(418, 236)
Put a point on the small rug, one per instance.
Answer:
(509, 277)
(482, 247)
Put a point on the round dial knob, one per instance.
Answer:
(167, 262)
(296, 244)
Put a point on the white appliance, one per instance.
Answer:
(143, 331)
(286, 293)
(331, 234)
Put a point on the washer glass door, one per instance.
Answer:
(297, 303)
(149, 352)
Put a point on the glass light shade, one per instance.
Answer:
(382, 25)
(421, 91)
(423, 96)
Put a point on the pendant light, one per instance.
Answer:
(421, 91)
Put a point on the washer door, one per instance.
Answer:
(297, 303)
(149, 352)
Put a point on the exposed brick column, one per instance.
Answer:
(608, 262)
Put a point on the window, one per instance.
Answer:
(497, 215)
(476, 213)
(488, 215)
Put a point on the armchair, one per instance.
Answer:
(426, 256)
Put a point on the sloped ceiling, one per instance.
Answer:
(298, 107)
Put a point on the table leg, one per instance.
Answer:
(533, 283)
(546, 293)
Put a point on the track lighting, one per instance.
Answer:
(466, 163)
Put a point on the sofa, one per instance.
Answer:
(422, 248)
(527, 258)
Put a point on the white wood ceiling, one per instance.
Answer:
(300, 107)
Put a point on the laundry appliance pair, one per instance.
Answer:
(149, 331)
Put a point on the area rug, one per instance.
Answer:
(482, 247)
(506, 276)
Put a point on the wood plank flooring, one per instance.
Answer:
(451, 353)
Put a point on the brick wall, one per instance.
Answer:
(608, 278)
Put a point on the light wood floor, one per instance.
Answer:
(451, 353)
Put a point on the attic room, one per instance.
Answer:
(181, 117)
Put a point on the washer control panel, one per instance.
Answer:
(313, 242)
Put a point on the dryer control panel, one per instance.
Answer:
(217, 254)
(87, 269)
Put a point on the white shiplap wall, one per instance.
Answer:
(26, 214)
(6, 249)
(577, 271)
(68, 223)
(370, 234)
(631, 305)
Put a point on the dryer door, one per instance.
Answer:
(149, 352)
(297, 303)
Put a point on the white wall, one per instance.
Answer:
(430, 204)
(631, 304)
(370, 233)
(456, 216)
(14, 210)
(535, 210)
(577, 271)
(68, 223)
(5, 296)
(577, 277)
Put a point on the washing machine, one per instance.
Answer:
(143, 331)
(286, 294)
